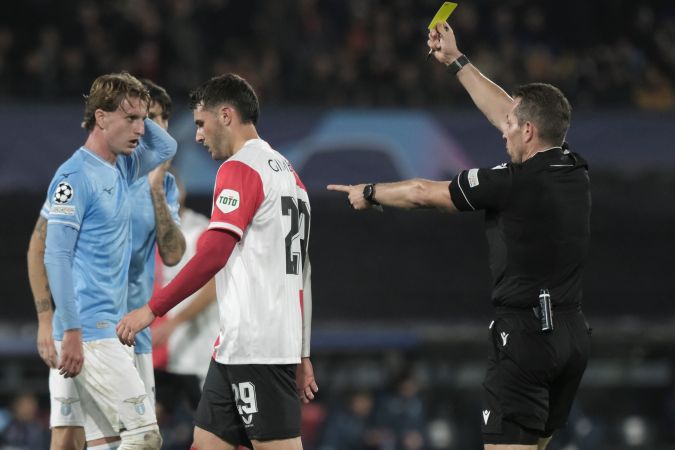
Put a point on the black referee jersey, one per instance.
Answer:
(538, 225)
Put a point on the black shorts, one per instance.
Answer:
(241, 403)
(532, 376)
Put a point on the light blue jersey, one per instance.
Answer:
(144, 236)
(88, 246)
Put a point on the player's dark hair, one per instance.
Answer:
(159, 96)
(231, 89)
(107, 93)
(547, 108)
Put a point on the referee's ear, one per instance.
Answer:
(530, 132)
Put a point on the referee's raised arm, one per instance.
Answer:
(491, 99)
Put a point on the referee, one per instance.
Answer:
(537, 213)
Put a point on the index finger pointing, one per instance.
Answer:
(338, 187)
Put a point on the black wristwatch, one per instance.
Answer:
(369, 193)
(457, 64)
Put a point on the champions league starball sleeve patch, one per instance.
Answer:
(64, 193)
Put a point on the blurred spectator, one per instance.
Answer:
(25, 430)
(401, 415)
(343, 53)
(350, 426)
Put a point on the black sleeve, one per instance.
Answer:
(477, 189)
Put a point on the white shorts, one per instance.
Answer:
(66, 408)
(143, 362)
(111, 392)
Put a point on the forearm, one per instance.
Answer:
(156, 146)
(209, 259)
(307, 310)
(202, 299)
(60, 246)
(170, 239)
(491, 99)
(37, 275)
(414, 193)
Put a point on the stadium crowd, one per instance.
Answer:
(343, 53)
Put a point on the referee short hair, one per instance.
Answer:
(547, 108)
(228, 88)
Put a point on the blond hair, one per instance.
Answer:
(107, 93)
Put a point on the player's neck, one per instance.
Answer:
(246, 133)
(97, 145)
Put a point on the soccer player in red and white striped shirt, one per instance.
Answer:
(256, 246)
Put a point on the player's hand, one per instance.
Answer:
(72, 354)
(442, 43)
(305, 382)
(132, 323)
(162, 332)
(45, 344)
(354, 193)
(156, 176)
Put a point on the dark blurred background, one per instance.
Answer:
(401, 298)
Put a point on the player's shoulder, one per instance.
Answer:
(256, 155)
(75, 170)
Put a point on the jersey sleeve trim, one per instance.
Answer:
(63, 222)
(226, 226)
(458, 182)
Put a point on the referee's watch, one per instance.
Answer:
(369, 193)
(457, 64)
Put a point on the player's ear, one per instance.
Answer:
(99, 117)
(226, 114)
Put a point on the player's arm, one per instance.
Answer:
(407, 194)
(60, 248)
(491, 99)
(39, 285)
(202, 299)
(155, 147)
(170, 239)
(304, 375)
(213, 251)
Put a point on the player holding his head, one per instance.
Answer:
(256, 245)
(87, 254)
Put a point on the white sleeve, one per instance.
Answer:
(307, 308)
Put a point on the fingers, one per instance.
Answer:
(71, 365)
(125, 334)
(48, 354)
(442, 28)
(338, 187)
(307, 393)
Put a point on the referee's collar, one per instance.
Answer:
(544, 151)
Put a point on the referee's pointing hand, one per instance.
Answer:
(355, 194)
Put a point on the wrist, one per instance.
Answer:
(458, 64)
(369, 194)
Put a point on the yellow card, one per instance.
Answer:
(443, 13)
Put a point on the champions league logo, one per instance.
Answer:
(63, 193)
